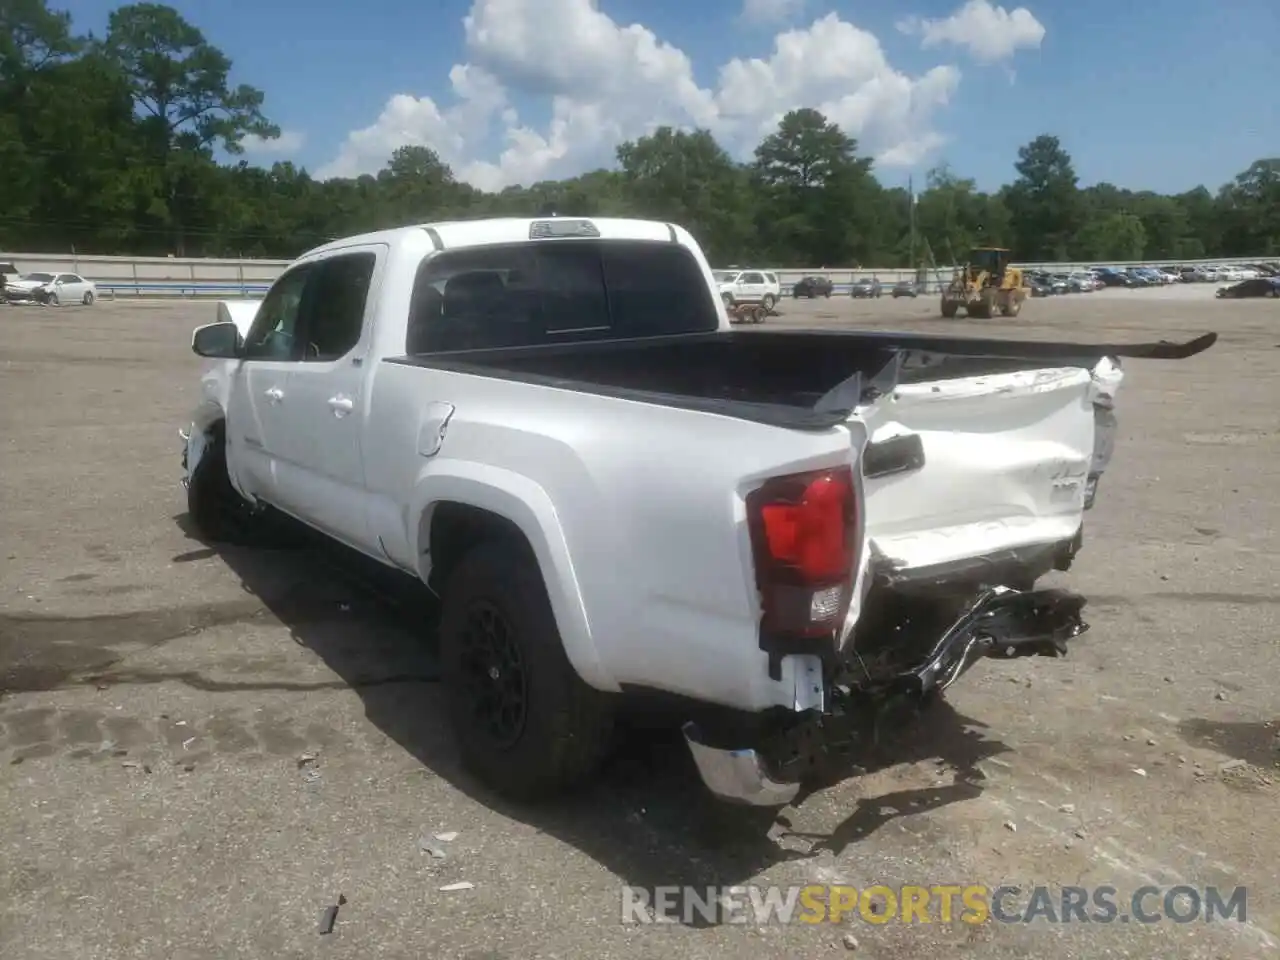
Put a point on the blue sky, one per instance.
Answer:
(1163, 96)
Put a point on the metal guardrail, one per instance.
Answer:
(164, 277)
(111, 289)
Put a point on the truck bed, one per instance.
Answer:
(783, 378)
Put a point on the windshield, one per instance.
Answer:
(724, 276)
(39, 277)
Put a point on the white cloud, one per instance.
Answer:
(407, 120)
(770, 11)
(988, 32)
(607, 82)
(286, 145)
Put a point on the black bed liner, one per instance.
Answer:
(795, 379)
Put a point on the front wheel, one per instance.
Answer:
(52, 299)
(526, 724)
(217, 510)
(768, 302)
(88, 298)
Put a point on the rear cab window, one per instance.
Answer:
(557, 291)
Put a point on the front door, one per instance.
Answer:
(321, 468)
(256, 429)
(70, 288)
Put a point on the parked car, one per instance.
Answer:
(1056, 285)
(1040, 287)
(866, 288)
(749, 286)
(1116, 278)
(905, 288)
(1256, 287)
(51, 288)
(810, 287)
(774, 567)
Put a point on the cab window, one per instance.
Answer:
(558, 291)
(333, 306)
(272, 336)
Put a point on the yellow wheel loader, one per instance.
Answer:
(985, 286)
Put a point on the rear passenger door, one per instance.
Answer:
(320, 472)
(751, 287)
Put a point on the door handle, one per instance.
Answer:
(341, 405)
(274, 394)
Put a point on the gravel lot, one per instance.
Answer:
(156, 697)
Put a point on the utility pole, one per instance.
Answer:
(911, 198)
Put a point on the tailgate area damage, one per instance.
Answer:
(983, 457)
(921, 649)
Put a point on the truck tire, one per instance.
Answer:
(526, 724)
(217, 510)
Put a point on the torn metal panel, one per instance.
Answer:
(997, 462)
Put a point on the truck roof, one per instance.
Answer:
(456, 234)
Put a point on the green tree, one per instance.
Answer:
(1116, 236)
(416, 186)
(180, 87)
(814, 191)
(34, 42)
(1250, 210)
(131, 144)
(688, 178)
(1044, 201)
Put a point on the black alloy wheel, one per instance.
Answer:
(494, 674)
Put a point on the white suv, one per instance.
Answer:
(748, 286)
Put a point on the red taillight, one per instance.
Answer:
(804, 539)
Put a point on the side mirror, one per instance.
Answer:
(219, 341)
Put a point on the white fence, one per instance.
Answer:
(123, 277)
(157, 276)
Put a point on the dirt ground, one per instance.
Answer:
(158, 697)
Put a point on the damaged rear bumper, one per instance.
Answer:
(737, 775)
(1001, 622)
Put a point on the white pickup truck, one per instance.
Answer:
(612, 492)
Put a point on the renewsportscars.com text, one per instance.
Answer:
(937, 903)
